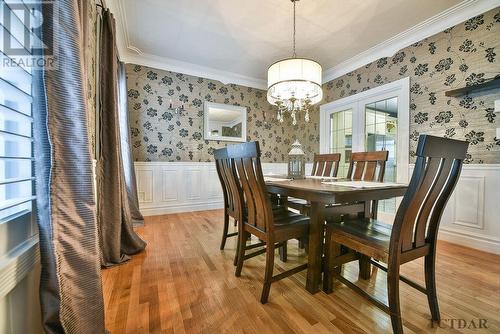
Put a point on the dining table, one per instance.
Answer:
(321, 193)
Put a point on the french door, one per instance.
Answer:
(374, 120)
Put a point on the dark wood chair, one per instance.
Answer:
(274, 228)
(365, 166)
(413, 234)
(326, 165)
(368, 166)
(230, 207)
(234, 202)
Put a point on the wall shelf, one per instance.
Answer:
(491, 84)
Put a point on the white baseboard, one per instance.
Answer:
(469, 239)
(163, 210)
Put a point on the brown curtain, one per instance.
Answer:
(70, 284)
(118, 239)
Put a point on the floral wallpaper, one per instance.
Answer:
(463, 55)
(160, 134)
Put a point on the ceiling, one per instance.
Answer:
(243, 37)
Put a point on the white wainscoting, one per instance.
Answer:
(471, 218)
(169, 187)
(472, 215)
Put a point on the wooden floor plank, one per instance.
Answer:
(183, 283)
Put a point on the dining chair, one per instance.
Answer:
(368, 166)
(363, 166)
(274, 228)
(230, 207)
(413, 234)
(234, 202)
(326, 165)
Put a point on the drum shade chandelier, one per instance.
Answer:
(294, 84)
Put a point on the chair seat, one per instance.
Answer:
(288, 225)
(368, 236)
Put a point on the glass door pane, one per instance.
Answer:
(381, 133)
(341, 138)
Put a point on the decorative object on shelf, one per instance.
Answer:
(294, 84)
(177, 110)
(296, 161)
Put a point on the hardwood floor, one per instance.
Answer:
(183, 283)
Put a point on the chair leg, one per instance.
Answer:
(430, 285)
(393, 297)
(283, 251)
(224, 231)
(242, 237)
(269, 272)
(332, 250)
(303, 243)
(235, 261)
(365, 267)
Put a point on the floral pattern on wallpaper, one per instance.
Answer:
(464, 55)
(160, 134)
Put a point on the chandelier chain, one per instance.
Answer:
(294, 53)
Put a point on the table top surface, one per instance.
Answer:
(318, 185)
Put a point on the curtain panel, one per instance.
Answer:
(116, 211)
(70, 287)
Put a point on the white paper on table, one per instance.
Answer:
(322, 177)
(364, 184)
(274, 179)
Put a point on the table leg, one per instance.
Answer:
(365, 268)
(316, 234)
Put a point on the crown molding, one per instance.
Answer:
(178, 66)
(433, 25)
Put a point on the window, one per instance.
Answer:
(16, 149)
(381, 133)
(373, 120)
(341, 138)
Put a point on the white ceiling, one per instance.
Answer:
(243, 37)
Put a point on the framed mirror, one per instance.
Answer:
(224, 122)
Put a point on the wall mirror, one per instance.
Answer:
(225, 122)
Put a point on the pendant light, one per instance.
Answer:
(294, 84)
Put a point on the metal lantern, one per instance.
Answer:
(296, 161)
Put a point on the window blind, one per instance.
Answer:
(16, 130)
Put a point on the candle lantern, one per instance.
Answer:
(296, 161)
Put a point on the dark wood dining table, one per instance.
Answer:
(320, 195)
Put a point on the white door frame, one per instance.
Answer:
(399, 89)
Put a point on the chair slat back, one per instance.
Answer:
(326, 164)
(219, 155)
(367, 166)
(233, 195)
(437, 169)
(246, 159)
